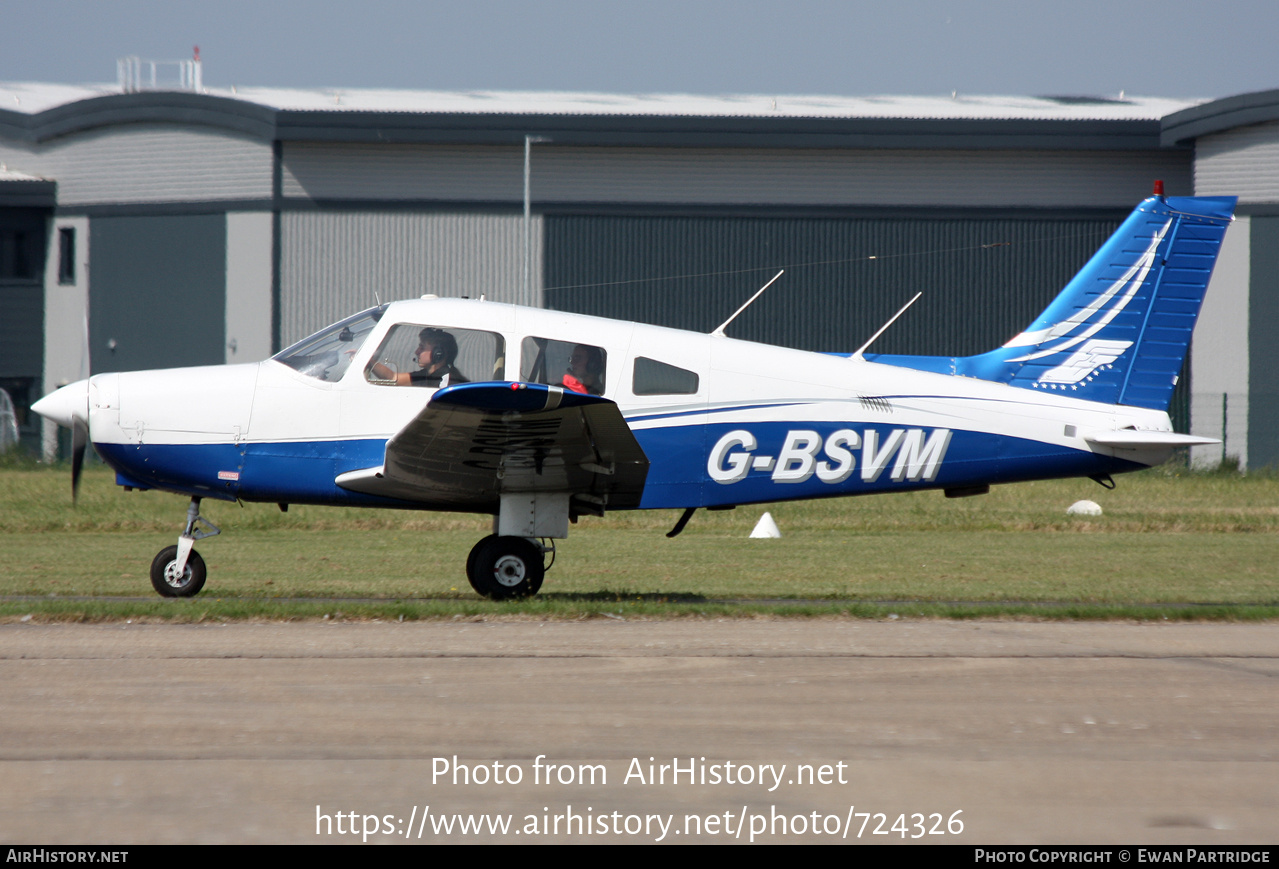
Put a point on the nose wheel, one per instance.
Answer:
(170, 580)
(501, 568)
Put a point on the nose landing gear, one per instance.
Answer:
(179, 571)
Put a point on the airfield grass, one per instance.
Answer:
(1171, 544)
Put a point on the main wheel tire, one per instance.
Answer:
(164, 575)
(470, 558)
(501, 568)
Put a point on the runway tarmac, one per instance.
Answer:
(778, 731)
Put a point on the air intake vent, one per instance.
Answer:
(883, 405)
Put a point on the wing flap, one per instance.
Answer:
(476, 441)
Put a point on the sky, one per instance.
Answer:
(1172, 48)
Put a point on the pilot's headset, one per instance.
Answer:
(594, 360)
(443, 345)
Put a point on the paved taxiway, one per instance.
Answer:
(1036, 733)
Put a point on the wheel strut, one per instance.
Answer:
(193, 532)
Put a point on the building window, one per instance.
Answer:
(15, 255)
(66, 255)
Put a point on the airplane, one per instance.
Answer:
(537, 416)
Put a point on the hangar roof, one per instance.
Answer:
(32, 98)
(37, 111)
(1218, 115)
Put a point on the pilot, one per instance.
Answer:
(585, 370)
(435, 355)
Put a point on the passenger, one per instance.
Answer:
(436, 353)
(585, 370)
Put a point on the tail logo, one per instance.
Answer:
(1083, 362)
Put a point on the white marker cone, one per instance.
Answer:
(1084, 508)
(766, 527)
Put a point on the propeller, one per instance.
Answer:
(80, 423)
(69, 406)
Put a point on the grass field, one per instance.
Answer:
(1170, 545)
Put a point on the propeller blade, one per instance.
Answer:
(79, 442)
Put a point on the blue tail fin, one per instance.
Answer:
(1119, 331)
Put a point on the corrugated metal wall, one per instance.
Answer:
(333, 263)
(148, 163)
(1263, 350)
(840, 178)
(1243, 162)
(1243, 301)
(983, 279)
(327, 171)
(733, 176)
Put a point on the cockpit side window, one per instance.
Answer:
(327, 354)
(579, 367)
(415, 354)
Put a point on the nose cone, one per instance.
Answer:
(66, 404)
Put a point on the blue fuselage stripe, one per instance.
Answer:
(779, 465)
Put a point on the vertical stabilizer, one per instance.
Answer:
(1119, 331)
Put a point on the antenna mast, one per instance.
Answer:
(893, 319)
(719, 333)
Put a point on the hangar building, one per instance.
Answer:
(188, 226)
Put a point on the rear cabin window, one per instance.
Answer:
(414, 354)
(657, 378)
(577, 367)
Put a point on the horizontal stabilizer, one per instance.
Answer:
(1132, 439)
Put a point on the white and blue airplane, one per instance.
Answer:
(537, 417)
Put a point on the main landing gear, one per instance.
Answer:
(178, 571)
(501, 567)
(509, 563)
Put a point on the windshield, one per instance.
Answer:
(327, 354)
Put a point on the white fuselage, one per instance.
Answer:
(757, 422)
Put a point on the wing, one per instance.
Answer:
(475, 442)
